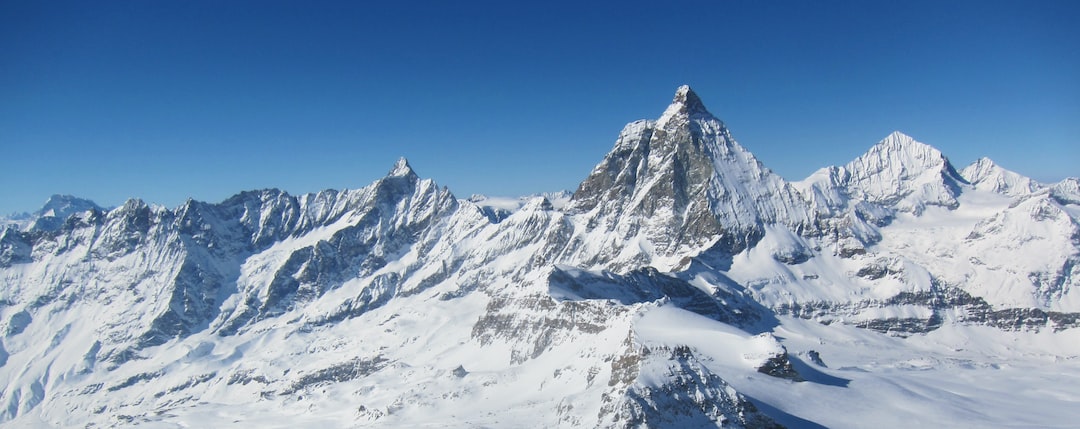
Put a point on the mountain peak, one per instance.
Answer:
(897, 139)
(686, 102)
(682, 182)
(904, 148)
(899, 136)
(689, 100)
(57, 209)
(979, 169)
(905, 173)
(401, 169)
(987, 175)
(63, 205)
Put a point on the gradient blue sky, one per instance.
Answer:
(167, 99)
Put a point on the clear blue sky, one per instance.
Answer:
(164, 100)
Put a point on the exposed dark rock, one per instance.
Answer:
(15, 247)
(17, 323)
(940, 299)
(344, 371)
(693, 396)
(137, 378)
(779, 366)
(534, 334)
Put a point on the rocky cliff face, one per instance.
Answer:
(647, 300)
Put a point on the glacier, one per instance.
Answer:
(682, 284)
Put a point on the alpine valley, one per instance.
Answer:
(683, 284)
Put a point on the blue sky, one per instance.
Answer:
(167, 100)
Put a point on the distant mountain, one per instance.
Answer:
(499, 208)
(682, 284)
(52, 215)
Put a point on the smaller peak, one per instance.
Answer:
(986, 175)
(134, 204)
(401, 169)
(902, 152)
(538, 203)
(982, 167)
(57, 199)
(63, 205)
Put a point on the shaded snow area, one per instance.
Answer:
(682, 284)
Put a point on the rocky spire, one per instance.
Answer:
(401, 169)
(685, 104)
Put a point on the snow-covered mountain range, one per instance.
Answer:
(683, 284)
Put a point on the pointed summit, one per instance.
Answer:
(686, 102)
(689, 99)
(980, 170)
(900, 137)
(898, 141)
(985, 161)
(401, 169)
(899, 150)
